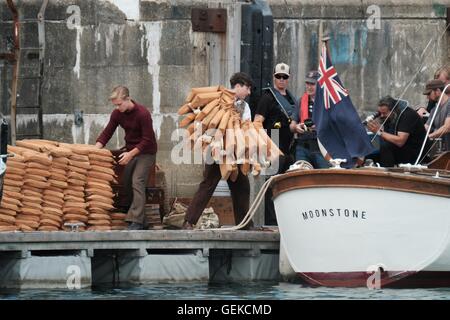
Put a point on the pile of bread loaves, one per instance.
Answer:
(51, 186)
(212, 118)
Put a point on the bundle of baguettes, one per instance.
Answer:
(234, 144)
(52, 186)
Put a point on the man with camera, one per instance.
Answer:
(305, 135)
(440, 128)
(442, 74)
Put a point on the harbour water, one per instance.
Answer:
(225, 291)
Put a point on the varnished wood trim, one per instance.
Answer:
(441, 162)
(361, 179)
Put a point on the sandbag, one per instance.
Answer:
(45, 228)
(28, 217)
(7, 218)
(99, 228)
(8, 228)
(37, 172)
(52, 211)
(83, 171)
(11, 188)
(8, 212)
(70, 192)
(31, 211)
(75, 210)
(77, 217)
(99, 216)
(99, 222)
(31, 224)
(50, 223)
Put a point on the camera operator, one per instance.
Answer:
(402, 134)
(442, 74)
(440, 128)
(306, 145)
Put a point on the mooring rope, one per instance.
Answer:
(299, 165)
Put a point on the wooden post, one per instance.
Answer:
(15, 77)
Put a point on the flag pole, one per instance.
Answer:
(322, 149)
(319, 44)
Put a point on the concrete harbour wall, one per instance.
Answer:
(149, 45)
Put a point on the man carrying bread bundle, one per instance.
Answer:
(140, 150)
(240, 188)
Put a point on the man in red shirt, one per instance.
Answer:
(140, 154)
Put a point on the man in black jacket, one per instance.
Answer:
(402, 135)
(275, 110)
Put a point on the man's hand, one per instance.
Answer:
(300, 128)
(124, 158)
(258, 125)
(422, 112)
(373, 126)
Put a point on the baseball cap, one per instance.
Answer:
(432, 85)
(281, 68)
(312, 76)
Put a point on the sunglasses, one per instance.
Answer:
(281, 76)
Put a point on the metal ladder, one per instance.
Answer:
(28, 75)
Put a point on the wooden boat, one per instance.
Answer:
(372, 227)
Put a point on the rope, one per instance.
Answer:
(438, 105)
(299, 165)
(252, 210)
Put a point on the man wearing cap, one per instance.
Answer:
(440, 128)
(443, 74)
(307, 147)
(274, 112)
(402, 135)
(276, 107)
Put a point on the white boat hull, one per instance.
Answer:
(338, 236)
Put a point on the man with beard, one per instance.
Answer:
(402, 134)
(441, 124)
(442, 74)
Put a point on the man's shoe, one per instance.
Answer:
(135, 226)
(187, 226)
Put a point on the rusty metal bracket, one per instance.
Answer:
(209, 20)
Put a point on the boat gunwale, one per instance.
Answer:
(369, 179)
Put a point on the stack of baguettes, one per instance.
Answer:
(11, 203)
(55, 187)
(213, 121)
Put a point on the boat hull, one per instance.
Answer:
(355, 236)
